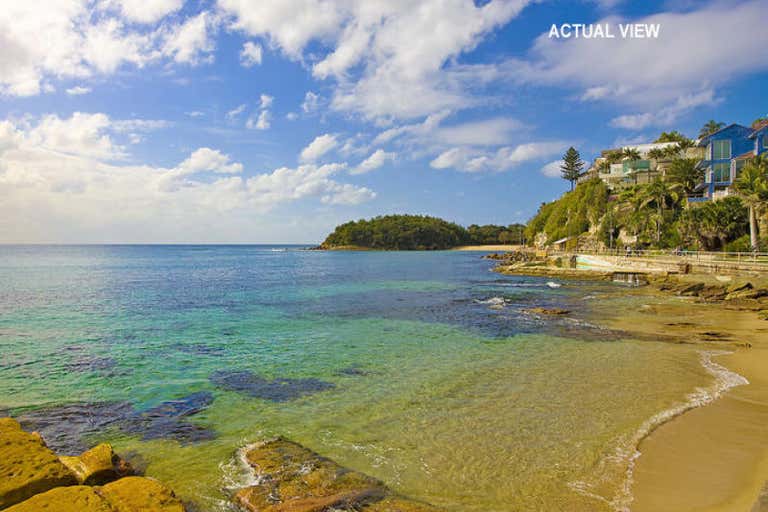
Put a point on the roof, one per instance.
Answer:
(745, 156)
(562, 240)
(702, 141)
(758, 127)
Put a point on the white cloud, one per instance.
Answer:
(250, 55)
(265, 101)
(311, 102)
(467, 159)
(668, 115)
(78, 90)
(148, 11)
(195, 113)
(235, 112)
(291, 116)
(372, 54)
(261, 122)
(653, 73)
(376, 160)
(50, 195)
(207, 159)
(321, 145)
(552, 169)
(190, 42)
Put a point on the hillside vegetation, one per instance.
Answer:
(417, 232)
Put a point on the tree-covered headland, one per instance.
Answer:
(418, 232)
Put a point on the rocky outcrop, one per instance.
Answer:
(97, 466)
(292, 478)
(27, 466)
(34, 478)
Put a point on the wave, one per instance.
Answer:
(627, 451)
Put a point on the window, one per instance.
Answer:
(721, 172)
(765, 142)
(739, 165)
(721, 149)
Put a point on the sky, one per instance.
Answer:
(235, 121)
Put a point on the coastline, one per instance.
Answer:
(709, 453)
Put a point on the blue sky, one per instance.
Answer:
(239, 121)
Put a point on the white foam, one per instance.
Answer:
(725, 379)
(493, 301)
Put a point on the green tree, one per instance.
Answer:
(752, 187)
(673, 136)
(683, 172)
(709, 128)
(572, 166)
(660, 195)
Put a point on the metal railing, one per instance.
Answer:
(676, 255)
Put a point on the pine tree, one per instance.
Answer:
(572, 166)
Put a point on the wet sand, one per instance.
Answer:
(713, 458)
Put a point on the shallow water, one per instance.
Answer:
(418, 368)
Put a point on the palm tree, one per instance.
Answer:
(633, 156)
(752, 187)
(658, 194)
(684, 173)
(709, 128)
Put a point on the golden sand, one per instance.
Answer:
(714, 458)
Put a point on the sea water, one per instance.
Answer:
(423, 369)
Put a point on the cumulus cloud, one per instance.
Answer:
(82, 40)
(379, 71)
(376, 160)
(321, 145)
(191, 42)
(552, 169)
(311, 102)
(250, 55)
(467, 159)
(665, 116)
(57, 184)
(265, 101)
(148, 11)
(260, 122)
(78, 90)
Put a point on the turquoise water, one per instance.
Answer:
(419, 368)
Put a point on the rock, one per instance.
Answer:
(78, 498)
(713, 293)
(547, 311)
(736, 288)
(295, 479)
(135, 493)
(27, 466)
(748, 294)
(691, 290)
(97, 466)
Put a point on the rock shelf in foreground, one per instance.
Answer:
(293, 478)
(34, 478)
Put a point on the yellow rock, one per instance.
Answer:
(27, 466)
(399, 505)
(78, 498)
(139, 494)
(97, 466)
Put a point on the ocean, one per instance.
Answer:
(422, 369)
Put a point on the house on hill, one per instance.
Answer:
(726, 152)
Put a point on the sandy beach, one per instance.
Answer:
(714, 457)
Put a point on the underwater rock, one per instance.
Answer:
(352, 371)
(166, 421)
(201, 349)
(97, 466)
(91, 363)
(547, 311)
(27, 465)
(275, 390)
(67, 427)
(293, 478)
